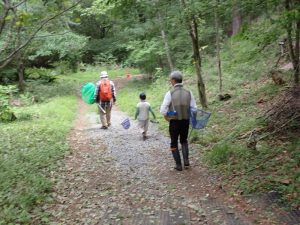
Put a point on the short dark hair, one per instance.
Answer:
(142, 96)
(177, 76)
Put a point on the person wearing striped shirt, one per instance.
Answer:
(104, 107)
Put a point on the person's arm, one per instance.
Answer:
(136, 113)
(96, 93)
(165, 105)
(150, 109)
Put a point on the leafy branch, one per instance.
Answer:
(11, 56)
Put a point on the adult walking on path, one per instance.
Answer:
(105, 96)
(175, 108)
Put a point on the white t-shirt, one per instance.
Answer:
(143, 107)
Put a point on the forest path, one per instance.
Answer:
(114, 177)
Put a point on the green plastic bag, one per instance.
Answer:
(87, 93)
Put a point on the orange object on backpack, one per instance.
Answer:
(105, 92)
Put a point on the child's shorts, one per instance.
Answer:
(144, 124)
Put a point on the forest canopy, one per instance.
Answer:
(145, 34)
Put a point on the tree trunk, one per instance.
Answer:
(19, 58)
(6, 6)
(218, 50)
(193, 32)
(21, 69)
(236, 18)
(198, 62)
(297, 53)
(167, 50)
(294, 53)
(165, 40)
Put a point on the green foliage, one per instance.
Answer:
(92, 74)
(23, 26)
(102, 7)
(241, 59)
(220, 154)
(104, 59)
(68, 47)
(8, 75)
(268, 170)
(41, 74)
(29, 151)
(31, 147)
(158, 74)
(6, 92)
(131, 36)
(144, 53)
(290, 16)
(41, 92)
(61, 67)
(6, 113)
(264, 33)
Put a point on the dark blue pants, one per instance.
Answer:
(178, 129)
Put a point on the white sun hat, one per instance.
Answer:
(103, 74)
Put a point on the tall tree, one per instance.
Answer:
(218, 57)
(236, 17)
(166, 42)
(292, 26)
(192, 27)
(20, 60)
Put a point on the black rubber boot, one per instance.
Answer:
(185, 154)
(177, 159)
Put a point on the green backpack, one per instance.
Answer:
(87, 93)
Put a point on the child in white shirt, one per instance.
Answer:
(142, 114)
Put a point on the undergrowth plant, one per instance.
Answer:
(6, 92)
(29, 151)
(32, 145)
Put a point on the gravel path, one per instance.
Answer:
(114, 177)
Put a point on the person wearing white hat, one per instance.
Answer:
(103, 74)
(105, 96)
